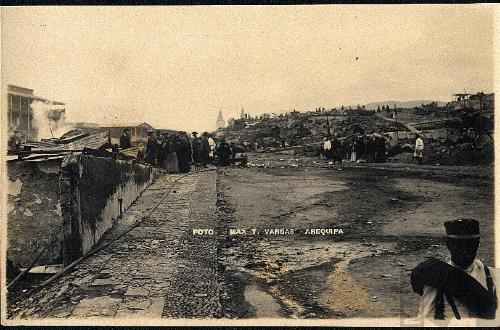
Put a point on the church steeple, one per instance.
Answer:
(220, 123)
(242, 114)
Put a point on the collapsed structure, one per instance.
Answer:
(456, 133)
(65, 192)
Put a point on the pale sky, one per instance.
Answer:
(175, 67)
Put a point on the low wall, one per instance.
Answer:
(33, 211)
(93, 189)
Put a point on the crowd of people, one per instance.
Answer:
(176, 153)
(364, 149)
(361, 148)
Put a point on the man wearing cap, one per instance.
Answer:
(463, 287)
(125, 139)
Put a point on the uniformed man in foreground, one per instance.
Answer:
(463, 287)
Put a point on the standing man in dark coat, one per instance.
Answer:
(162, 150)
(125, 139)
(224, 151)
(337, 150)
(369, 149)
(182, 148)
(461, 287)
(360, 151)
(196, 148)
(205, 149)
(151, 149)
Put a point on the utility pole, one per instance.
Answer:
(480, 103)
(397, 129)
(329, 134)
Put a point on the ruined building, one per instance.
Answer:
(20, 112)
(478, 101)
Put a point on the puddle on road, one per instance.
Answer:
(263, 303)
(280, 257)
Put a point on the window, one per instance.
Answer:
(16, 102)
(25, 104)
(14, 119)
(24, 122)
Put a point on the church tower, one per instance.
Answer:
(242, 114)
(220, 123)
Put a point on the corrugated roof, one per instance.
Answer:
(45, 150)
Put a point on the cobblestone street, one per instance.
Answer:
(157, 269)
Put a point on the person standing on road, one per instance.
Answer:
(162, 150)
(182, 149)
(419, 149)
(463, 287)
(205, 149)
(212, 145)
(224, 152)
(151, 149)
(196, 148)
(337, 150)
(354, 149)
(171, 160)
(360, 148)
(327, 146)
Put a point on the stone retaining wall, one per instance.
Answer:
(94, 193)
(67, 205)
(33, 211)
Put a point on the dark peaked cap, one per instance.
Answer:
(462, 228)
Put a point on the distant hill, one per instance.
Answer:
(399, 104)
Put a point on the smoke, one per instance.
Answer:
(48, 120)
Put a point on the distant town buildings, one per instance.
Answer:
(20, 114)
(478, 101)
(138, 131)
(220, 123)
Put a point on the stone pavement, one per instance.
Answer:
(159, 269)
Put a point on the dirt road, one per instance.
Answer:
(292, 237)
(380, 222)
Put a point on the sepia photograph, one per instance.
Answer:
(249, 165)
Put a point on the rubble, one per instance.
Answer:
(302, 133)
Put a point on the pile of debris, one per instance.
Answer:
(442, 129)
(74, 141)
(306, 129)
